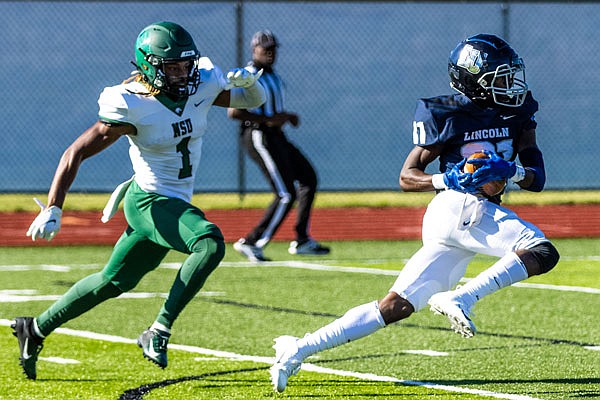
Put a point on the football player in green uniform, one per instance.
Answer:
(162, 110)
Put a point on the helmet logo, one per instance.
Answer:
(471, 59)
(187, 53)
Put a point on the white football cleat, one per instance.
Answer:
(250, 251)
(287, 362)
(444, 303)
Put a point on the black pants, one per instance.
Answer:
(284, 166)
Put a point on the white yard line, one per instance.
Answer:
(376, 271)
(60, 360)
(299, 265)
(305, 366)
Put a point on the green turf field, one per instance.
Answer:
(538, 340)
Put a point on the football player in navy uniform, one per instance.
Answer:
(162, 110)
(494, 114)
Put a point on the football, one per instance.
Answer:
(491, 188)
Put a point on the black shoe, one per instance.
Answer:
(154, 346)
(30, 344)
(308, 247)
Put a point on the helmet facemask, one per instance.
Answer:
(161, 81)
(506, 84)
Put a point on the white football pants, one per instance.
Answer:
(456, 227)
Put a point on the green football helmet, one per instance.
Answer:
(161, 43)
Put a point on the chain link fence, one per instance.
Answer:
(353, 71)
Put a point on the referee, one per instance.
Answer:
(290, 174)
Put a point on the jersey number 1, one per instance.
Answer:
(182, 147)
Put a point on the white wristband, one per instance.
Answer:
(519, 174)
(437, 180)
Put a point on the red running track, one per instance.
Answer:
(362, 223)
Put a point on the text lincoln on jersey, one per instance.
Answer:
(486, 134)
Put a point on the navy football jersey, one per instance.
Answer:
(463, 128)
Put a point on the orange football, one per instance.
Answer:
(491, 188)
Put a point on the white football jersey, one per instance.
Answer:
(165, 152)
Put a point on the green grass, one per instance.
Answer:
(207, 201)
(529, 344)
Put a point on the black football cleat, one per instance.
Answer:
(30, 344)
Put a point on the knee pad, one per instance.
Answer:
(546, 255)
(214, 246)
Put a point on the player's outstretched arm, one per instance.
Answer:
(95, 139)
(243, 90)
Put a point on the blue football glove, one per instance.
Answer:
(456, 179)
(492, 169)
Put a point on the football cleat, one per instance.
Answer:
(444, 303)
(30, 345)
(309, 247)
(287, 362)
(154, 346)
(250, 251)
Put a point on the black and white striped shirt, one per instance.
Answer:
(274, 90)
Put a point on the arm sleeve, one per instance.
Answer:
(532, 159)
(251, 97)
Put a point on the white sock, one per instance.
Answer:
(358, 322)
(160, 327)
(506, 271)
(36, 329)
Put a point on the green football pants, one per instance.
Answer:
(156, 225)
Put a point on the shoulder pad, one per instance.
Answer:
(209, 71)
(113, 105)
(205, 63)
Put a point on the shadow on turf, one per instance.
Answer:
(139, 392)
(404, 324)
(402, 354)
(581, 393)
(578, 381)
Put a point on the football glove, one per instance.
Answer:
(47, 224)
(458, 180)
(241, 78)
(492, 168)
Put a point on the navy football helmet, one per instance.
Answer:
(487, 70)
